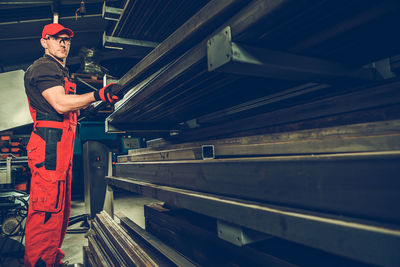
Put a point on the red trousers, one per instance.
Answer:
(50, 151)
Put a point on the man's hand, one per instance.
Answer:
(108, 93)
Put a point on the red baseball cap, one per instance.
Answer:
(54, 28)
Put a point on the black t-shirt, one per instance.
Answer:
(43, 74)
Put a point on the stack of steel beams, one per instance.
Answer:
(283, 118)
(342, 180)
(194, 236)
(172, 86)
(110, 244)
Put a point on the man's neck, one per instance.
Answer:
(60, 60)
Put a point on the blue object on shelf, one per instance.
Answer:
(91, 130)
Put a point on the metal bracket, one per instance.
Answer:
(192, 124)
(238, 235)
(219, 49)
(108, 205)
(383, 66)
(125, 43)
(109, 201)
(111, 13)
(109, 128)
(140, 129)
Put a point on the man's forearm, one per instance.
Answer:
(63, 103)
(76, 102)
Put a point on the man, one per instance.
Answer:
(53, 105)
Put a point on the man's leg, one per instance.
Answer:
(67, 210)
(44, 224)
(42, 236)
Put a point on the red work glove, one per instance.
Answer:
(106, 94)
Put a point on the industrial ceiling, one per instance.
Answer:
(22, 21)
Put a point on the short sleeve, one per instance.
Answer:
(47, 75)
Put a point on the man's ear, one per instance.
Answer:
(43, 42)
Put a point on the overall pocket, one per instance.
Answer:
(35, 151)
(51, 136)
(47, 183)
(47, 194)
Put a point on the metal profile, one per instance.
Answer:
(248, 16)
(226, 56)
(384, 95)
(237, 235)
(175, 154)
(366, 182)
(218, 148)
(97, 252)
(352, 238)
(120, 22)
(109, 251)
(131, 252)
(154, 242)
(207, 152)
(183, 34)
(139, 128)
(111, 13)
(126, 43)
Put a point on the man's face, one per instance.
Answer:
(57, 45)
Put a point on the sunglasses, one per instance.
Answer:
(65, 40)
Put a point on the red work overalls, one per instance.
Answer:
(50, 151)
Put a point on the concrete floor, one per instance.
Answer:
(126, 202)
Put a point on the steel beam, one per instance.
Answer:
(98, 254)
(389, 127)
(110, 252)
(358, 240)
(193, 26)
(176, 154)
(226, 56)
(342, 144)
(197, 238)
(356, 184)
(131, 252)
(124, 43)
(88, 259)
(167, 83)
(111, 13)
(141, 129)
(363, 137)
(120, 22)
(281, 95)
(24, 2)
(93, 23)
(247, 17)
(172, 255)
(360, 137)
(359, 100)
